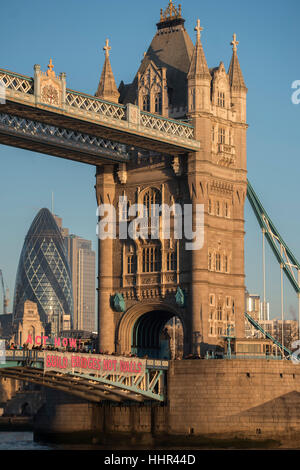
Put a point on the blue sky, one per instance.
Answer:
(73, 33)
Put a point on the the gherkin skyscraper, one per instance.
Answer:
(43, 274)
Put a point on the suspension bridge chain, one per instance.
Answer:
(283, 254)
(286, 259)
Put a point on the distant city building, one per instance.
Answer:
(253, 305)
(27, 323)
(260, 312)
(82, 262)
(264, 313)
(6, 326)
(44, 276)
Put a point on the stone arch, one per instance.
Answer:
(150, 318)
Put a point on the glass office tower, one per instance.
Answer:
(43, 275)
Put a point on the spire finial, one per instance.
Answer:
(171, 12)
(107, 48)
(198, 29)
(234, 43)
(50, 71)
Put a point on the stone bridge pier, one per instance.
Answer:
(207, 400)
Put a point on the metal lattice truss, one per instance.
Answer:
(95, 105)
(284, 256)
(16, 82)
(167, 125)
(97, 387)
(63, 137)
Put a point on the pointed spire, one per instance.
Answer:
(107, 88)
(236, 78)
(198, 65)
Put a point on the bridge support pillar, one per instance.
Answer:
(105, 194)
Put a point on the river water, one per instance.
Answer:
(20, 441)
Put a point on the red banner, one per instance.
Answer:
(97, 364)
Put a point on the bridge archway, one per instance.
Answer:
(142, 330)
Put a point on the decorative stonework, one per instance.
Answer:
(50, 95)
(176, 165)
(48, 88)
(122, 173)
(222, 187)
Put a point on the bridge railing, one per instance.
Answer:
(16, 82)
(170, 126)
(38, 356)
(96, 105)
(247, 357)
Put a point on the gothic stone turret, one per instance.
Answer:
(160, 278)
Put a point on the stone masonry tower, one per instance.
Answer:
(143, 283)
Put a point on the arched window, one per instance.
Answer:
(146, 103)
(151, 199)
(151, 259)
(158, 103)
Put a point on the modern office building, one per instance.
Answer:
(82, 262)
(44, 276)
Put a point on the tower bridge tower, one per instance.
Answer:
(143, 283)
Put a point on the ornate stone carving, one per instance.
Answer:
(122, 173)
(176, 165)
(48, 88)
(50, 95)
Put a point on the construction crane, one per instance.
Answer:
(5, 294)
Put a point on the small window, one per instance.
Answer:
(131, 264)
(158, 103)
(226, 264)
(226, 209)
(218, 262)
(212, 299)
(146, 103)
(219, 312)
(210, 206)
(221, 99)
(221, 136)
(218, 208)
(210, 261)
(172, 261)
